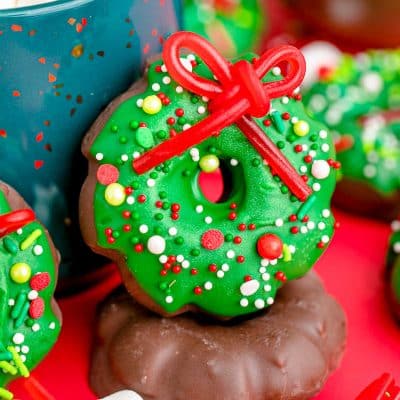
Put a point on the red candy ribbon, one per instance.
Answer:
(237, 95)
(14, 220)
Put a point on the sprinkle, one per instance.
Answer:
(323, 134)
(18, 362)
(316, 187)
(151, 182)
(325, 239)
(144, 137)
(115, 194)
(267, 288)
(37, 250)
(99, 156)
(156, 244)
(185, 264)
(6, 366)
(225, 267)
(230, 254)
(33, 294)
(52, 325)
(270, 301)
(201, 109)
(208, 285)
(279, 222)
(266, 276)
(249, 288)
(287, 255)
(321, 226)
(143, 228)
(306, 207)
(5, 394)
(22, 316)
(20, 272)
(199, 209)
(19, 303)
(244, 302)
(172, 231)
(259, 304)
(326, 213)
(35, 327)
(277, 121)
(320, 169)
(301, 128)
(18, 338)
(234, 162)
(30, 239)
(208, 220)
(5, 356)
(10, 245)
(276, 71)
(166, 80)
(169, 299)
(163, 259)
(220, 274)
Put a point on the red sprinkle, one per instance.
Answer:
(252, 227)
(179, 112)
(171, 259)
(174, 216)
(240, 259)
(138, 248)
(159, 204)
(294, 229)
(108, 231)
(36, 308)
(242, 227)
(175, 207)
(212, 268)
(194, 271)
(292, 218)
(237, 240)
(110, 240)
(170, 121)
(269, 246)
(176, 269)
(232, 216)
(127, 228)
(247, 278)
(286, 116)
(267, 122)
(40, 281)
(280, 276)
(163, 272)
(126, 214)
(321, 245)
(141, 198)
(308, 158)
(198, 290)
(298, 148)
(128, 190)
(233, 206)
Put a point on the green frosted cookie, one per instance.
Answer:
(359, 101)
(177, 250)
(30, 319)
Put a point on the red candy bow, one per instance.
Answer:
(14, 220)
(236, 95)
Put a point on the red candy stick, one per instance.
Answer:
(14, 220)
(383, 388)
(237, 95)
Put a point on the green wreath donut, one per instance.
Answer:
(177, 250)
(30, 319)
(234, 27)
(359, 101)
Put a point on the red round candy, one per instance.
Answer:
(36, 308)
(269, 246)
(107, 174)
(212, 239)
(40, 281)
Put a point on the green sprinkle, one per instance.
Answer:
(293, 198)
(134, 124)
(287, 255)
(135, 185)
(153, 175)
(30, 239)
(277, 121)
(284, 189)
(158, 168)
(281, 144)
(163, 195)
(29, 322)
(194, 99)
(6, 366)
(182, 120)
(179, 240)
(314, 146)
(134, 240)
(123, 139)
(22, 316)
(10, 245)
(159, 216)
(135, 215)
(291, 138)
(212, 149)
(172, 283)
(116, 234)
(165, 205)
(119, 161)
(6, 356)
(186, 173)
(5, 394)
(114, 128)
(163, 285)
(276, 178)
(313, 137)
(305, 207)
(18, 362)
(161, 134)
(144, 137)
(255, 162)
(158, 230)
(165, 170)
(19, 304)
(228, 237)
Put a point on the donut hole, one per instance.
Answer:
(216, 187)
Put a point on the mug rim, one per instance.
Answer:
(40, 9)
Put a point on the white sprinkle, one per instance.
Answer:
(194, 152)
(273, 262)
(201, 109)
(163, 68)
(151, 182)
(35, 327)
(292, 248)
(130, 200)
(185, 264)
(230, 254)
(124, 157)
(163, 259)
(285, 100)
(279, 222)
(205, 99)
(294, 120)
(136, 154)
(276, 71)
(312, 153)
(396, 247)
(169, 299)
(321, 226)
(37, 250)
(220, 274)
(199, 209)
(139, 103)
(371, 82)
(304, 147)
(180, 258)
(143, 228)
(325, 147)
(187, 64)
(208, 220)
(316, 187)
(395, 225)
(191, 57)
(18, 338)
(186, 127)
(259, 304)
(303, 169)
(11, 302)
(179, 89)
(270, 301)
(323, 134)
(23, 357)
(267, 288)
(262, 270)
(326, 213)
(250, 287)
(310, 225)
(320, 169)
(52, 325)
(225, 267)
(99, 156)
(264, 262)
(166, 80)
(156, 244)
(266, 276)
(19, 231)
(25, 349)
(156, 87)
(33, 294)
(244, 302)
(172, 231)
(325, 239)
(234, 162)
(303, 229)
(208, 285)
(370, 171)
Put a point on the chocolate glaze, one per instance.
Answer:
(286, 352)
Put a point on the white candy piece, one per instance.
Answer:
(156, 244)
(320, 169)
(319, 54)
(123, 395)
(250, 287)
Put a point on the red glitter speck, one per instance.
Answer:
(16, 93)
(38, 164)
(212, 239)
(337, 225)
(42, 60)
(3, 133)
(52, 78)
(16, 28)
(39, 137)
(198, 290)
(212, 268)
(107, 174)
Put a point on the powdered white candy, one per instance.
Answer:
(123, 395)
(319, 54)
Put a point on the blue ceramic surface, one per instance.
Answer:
(60, 64)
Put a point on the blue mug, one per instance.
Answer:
(60, 65)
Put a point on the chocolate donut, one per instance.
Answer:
(284, 352)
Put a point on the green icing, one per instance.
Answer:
(393, 260)
(354, 102)
(212, 280)
(234, 28)
(31, 338)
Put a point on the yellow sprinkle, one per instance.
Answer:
(20, 272)
(301, 128)
(152, 105)
(115, 194)
(30, 239)
(5, 394)
(6, 366)
(209, 163)
(18, 362)
(287, 255)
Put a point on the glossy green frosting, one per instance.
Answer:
(232, 279)
(30, 338)
(234, 28)
(353, 101)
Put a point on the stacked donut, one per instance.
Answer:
(142, 206)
